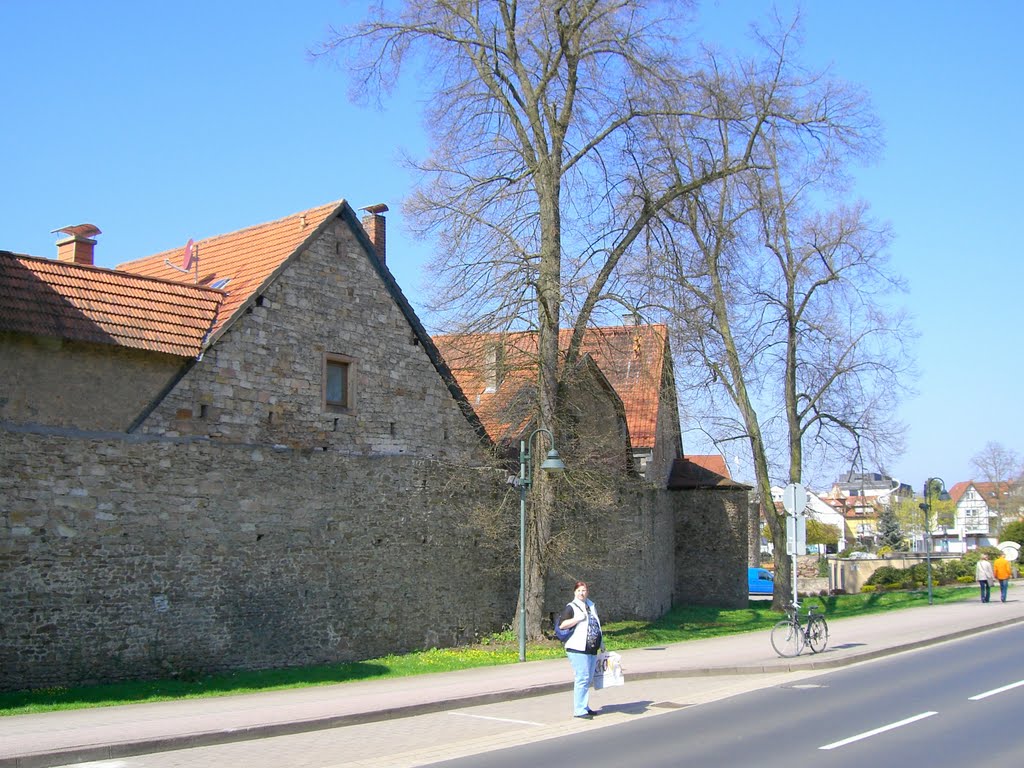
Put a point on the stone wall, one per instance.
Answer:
(710, 530)
(627, 559)
(132, 556)
(122, 556)
(73, 384)
(129, 556)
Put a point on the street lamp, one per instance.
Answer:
(926, 507)
(552, 465)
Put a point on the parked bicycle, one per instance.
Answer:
(789, 637)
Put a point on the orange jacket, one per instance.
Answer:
(1001, 568)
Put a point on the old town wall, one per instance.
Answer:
(126, 556)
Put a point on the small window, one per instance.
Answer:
(494, 367)
(338, 381)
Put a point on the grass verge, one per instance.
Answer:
(679, 625)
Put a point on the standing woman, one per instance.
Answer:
(582, 646)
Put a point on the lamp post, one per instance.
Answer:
(552, 465)
(926, 507)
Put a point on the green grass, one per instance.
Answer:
(679, 625)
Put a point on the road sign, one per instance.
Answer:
(796, 534)
(794, 499)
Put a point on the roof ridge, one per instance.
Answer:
(120, 273)
(235, 233)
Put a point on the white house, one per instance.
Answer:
(821, 511)
(977, 514)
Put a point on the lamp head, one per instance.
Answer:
(553, 463)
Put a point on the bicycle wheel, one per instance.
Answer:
(787, 638)
(817, 633)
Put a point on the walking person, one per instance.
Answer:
(984, 576)
(582, 647)
(1002, 570)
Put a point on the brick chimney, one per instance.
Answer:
(376, 229)
(78, 247)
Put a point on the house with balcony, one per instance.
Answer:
(976, 522)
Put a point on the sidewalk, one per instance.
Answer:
(56, 738)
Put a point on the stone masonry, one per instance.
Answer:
(125, 556)
(240, 523)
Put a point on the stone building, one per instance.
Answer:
(258, 474)
(620, 419)
(249, 453)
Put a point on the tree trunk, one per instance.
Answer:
(548, 309)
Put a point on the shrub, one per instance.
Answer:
(1013, 532)
(887, 575)
(869, 588)
(919, 573)
(949, 571)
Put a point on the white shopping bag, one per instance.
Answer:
(608, 672)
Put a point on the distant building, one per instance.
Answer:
(874, 485)
(976, 523)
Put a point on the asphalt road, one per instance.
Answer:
(857, 715)
(952, 704)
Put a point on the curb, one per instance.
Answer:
(227, 736)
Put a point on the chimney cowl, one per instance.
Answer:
(375, 226)
(78, 247)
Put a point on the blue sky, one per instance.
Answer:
(161, 122)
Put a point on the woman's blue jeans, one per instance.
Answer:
(583, 665)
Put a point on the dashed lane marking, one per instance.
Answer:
(994, 691)
(876, 731)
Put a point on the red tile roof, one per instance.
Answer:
(958, 490)
(713, 463)
(686, 474)
(990, 492)
(248, 259)
(630, 357)
(58, 299)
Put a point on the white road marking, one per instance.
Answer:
(496, 719)
(994, 691)
(877, 731)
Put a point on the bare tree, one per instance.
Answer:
(1000, 466)
(561, 130)
(782, 305)
(996, 463)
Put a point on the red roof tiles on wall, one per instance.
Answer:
(631, 358)
(247, 258)
(57, 299)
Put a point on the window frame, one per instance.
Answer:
(349, 364)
